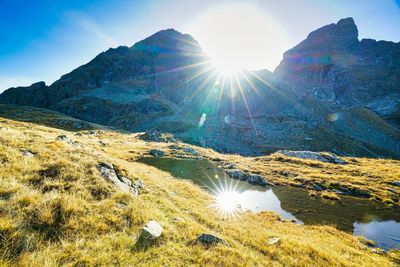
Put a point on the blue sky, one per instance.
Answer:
(44, 39)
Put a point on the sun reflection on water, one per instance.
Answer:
(228, 203)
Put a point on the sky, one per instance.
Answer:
(44, 39)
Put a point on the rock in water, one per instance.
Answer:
(152, 230)
(254, 179)
(209, 240)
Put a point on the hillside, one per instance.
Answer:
(310, 102)
(57, 209)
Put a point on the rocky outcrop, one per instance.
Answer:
(122, 183)
(66, 139)
(156, 136)
(323, 157)
(253, 179)
(157, 153)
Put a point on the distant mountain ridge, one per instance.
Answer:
(331, 92)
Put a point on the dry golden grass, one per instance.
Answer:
(56, 209)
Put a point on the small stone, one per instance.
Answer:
(138, 184)
(209, 240)
(179, 220)
(229, 166)
(392, 190)
(62, 137)
(157, 153)
(121, 205)
(396, 183)
(27, 153)
(152, 230)
(318, 187)
(274, 240)
(377, 251)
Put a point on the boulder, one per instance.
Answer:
(210, 240)
(152, 230)
(323, 157)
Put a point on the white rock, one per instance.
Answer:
(273, 240)
(152, 230)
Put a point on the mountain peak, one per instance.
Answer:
(168, 40)
(342, 34)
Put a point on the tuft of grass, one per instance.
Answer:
(330, 195)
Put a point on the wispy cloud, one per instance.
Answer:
(87, 26)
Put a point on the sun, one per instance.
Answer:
(239, 36)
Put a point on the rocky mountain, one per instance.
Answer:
(335, 67)
(331, 92)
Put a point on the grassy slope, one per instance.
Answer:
(55, 209)
(44, 117)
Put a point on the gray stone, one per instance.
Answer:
(396, 183)
(274, 241)
(254, 179)
(156, 136)
(27, 153)
(66, 139)
(157, 153)
(323, 157)
(191, 151)
(210, 240)
(122, 183)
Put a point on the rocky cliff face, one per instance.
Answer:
(333, 66)
(324, 95)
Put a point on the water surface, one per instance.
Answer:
(359, 216)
